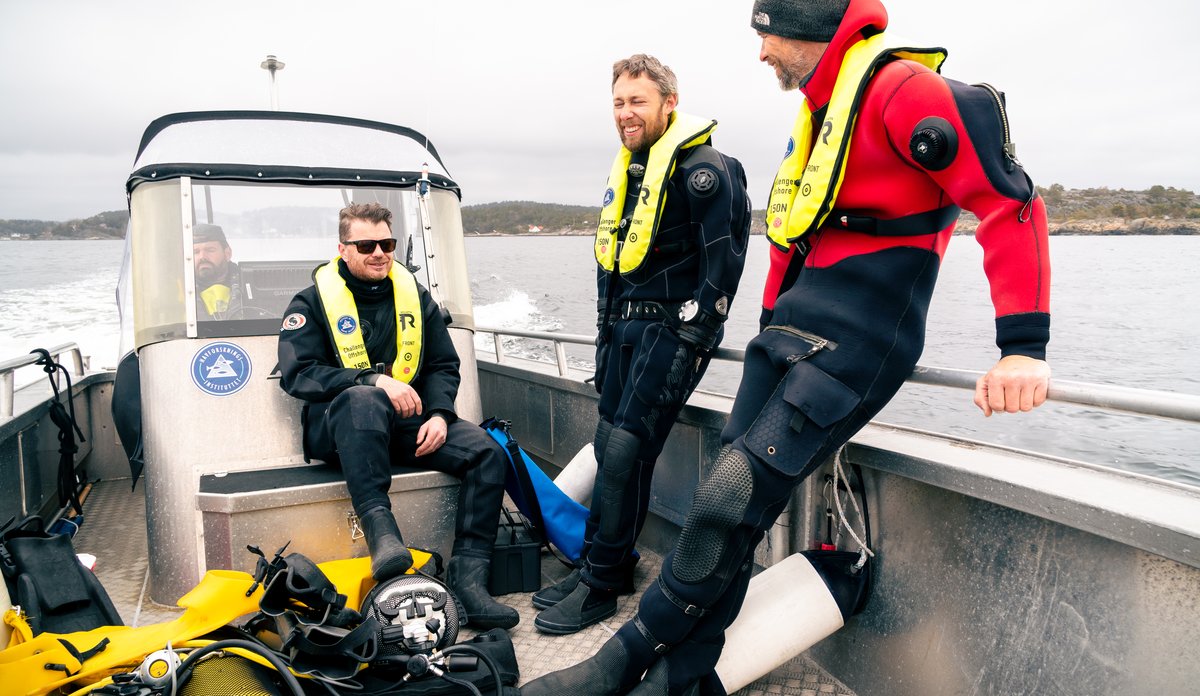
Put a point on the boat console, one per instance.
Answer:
(230, 214)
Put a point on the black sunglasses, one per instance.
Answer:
(367, 246)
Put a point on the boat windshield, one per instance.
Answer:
(216, 259)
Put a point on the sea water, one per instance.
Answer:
(1123, 314)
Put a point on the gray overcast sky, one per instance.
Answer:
(515, 95)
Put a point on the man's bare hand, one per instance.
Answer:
(404, 398)
(431, 436)
(1015, 383)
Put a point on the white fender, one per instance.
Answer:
(579, 476)
(788, 609)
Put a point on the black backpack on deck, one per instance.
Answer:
(46, 579)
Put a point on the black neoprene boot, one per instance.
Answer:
(549, 596)
(583, 607)
(468, 580)
(607, 673)
(679, 674)
(389, 556)
(656, 683)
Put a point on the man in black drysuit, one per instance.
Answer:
(670, 249)
(365, 310)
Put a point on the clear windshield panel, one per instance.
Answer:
(449, 283)
(156, 228)
(253, 248)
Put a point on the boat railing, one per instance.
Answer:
(1146, 402)
(8, 372)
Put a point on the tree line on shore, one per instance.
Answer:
(1156, 210)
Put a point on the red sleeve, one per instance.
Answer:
(1012, 228)
(780, 260)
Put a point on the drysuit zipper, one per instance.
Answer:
(816, 342)
(1010, 149)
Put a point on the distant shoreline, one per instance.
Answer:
(1089, 228)
(1072, 212)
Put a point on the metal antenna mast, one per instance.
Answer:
(272, 65)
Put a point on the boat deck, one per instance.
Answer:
(114, 531)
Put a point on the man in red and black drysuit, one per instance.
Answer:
(853, 266)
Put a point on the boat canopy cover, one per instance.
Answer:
(281, 146)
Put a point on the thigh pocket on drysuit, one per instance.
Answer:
(796, 421)
(664, 368)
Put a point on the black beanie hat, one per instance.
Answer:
(810, 20)
(203, 232)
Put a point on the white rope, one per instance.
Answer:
(137, 612)
(838, 476)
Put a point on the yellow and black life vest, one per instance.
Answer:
(684, 132)
(807, 182)
(216, 298)
(346, 329)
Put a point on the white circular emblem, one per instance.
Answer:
(221, 368)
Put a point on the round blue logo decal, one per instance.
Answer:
(221, 368)
(346, 324)
(608, 197)
(791, 147)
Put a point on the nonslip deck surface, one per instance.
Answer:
(115, 532)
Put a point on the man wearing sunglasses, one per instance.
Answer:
(367, 350)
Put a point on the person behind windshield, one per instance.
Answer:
(367, 350)
(218, 278)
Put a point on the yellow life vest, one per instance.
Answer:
(216, 298)
(344, 326)
(684, 132)
(807, 182)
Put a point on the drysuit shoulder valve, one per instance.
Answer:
(934, 143)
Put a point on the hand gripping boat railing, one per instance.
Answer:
(8, 369)
(1161, 404)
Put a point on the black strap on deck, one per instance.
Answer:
(69, 484)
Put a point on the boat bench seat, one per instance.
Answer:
(308, 507)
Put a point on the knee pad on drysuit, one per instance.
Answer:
(600, 441)
(365, 408)
(619, 462)
(717, 509)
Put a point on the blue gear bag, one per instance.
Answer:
(552, 514)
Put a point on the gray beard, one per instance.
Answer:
(788, 80)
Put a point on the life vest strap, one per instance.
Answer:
(928, 222)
